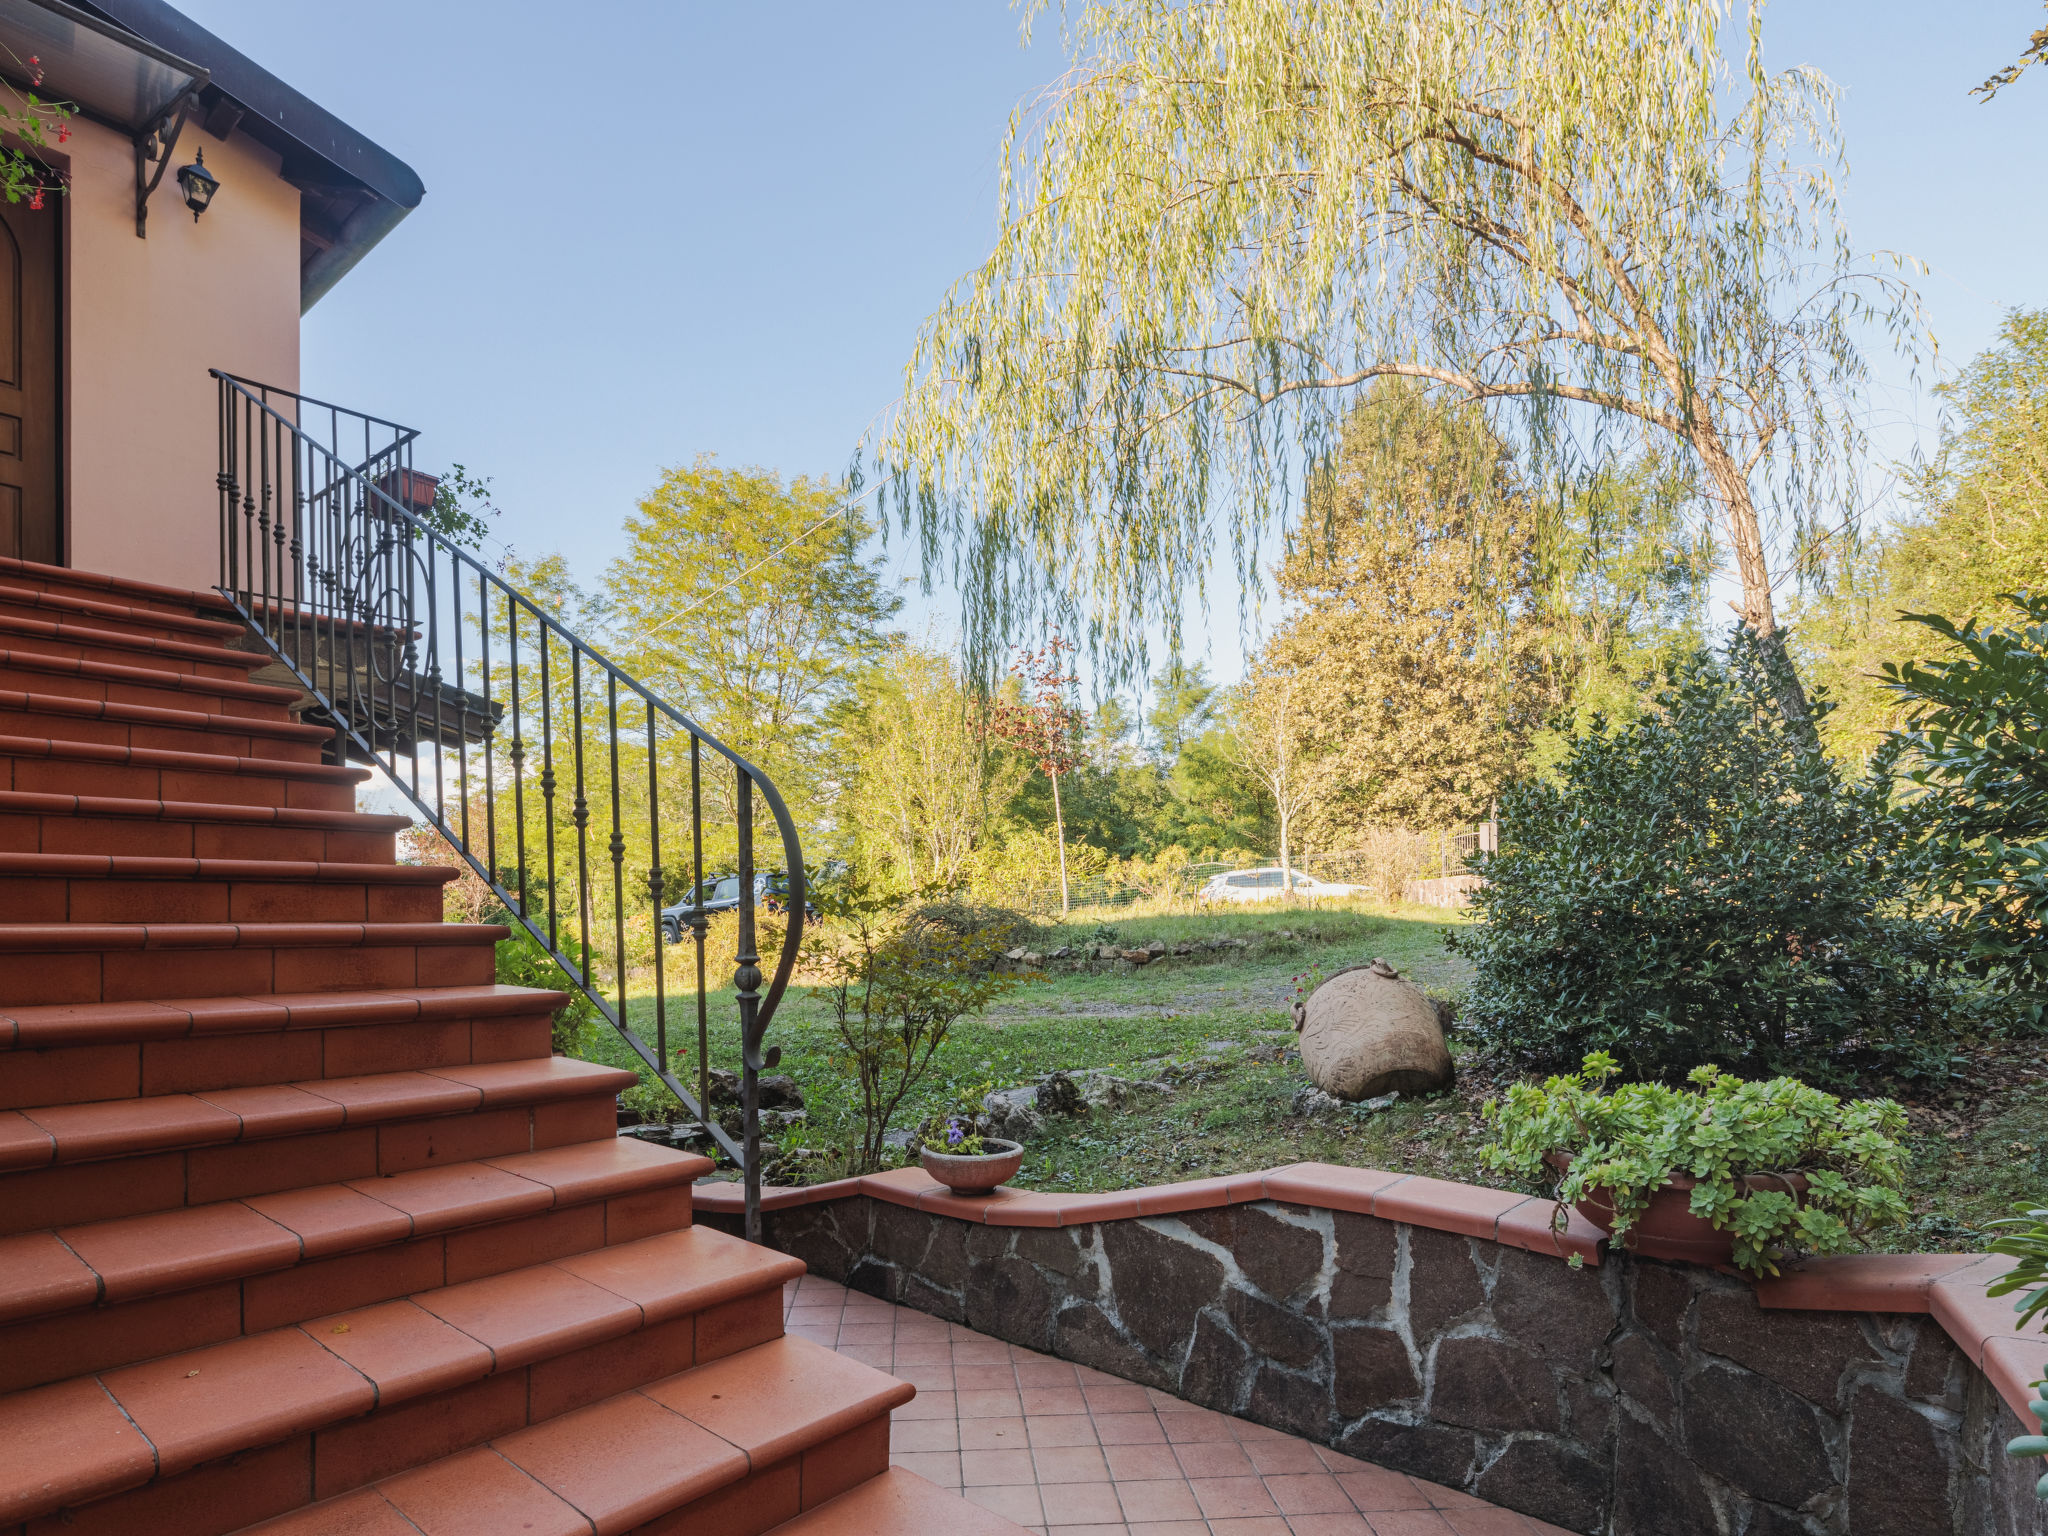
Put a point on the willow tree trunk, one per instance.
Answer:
(1059, 837)
(1759, 612)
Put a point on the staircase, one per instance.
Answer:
(303, 1229)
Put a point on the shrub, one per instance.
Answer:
(1629, 1142)
(1979, 746)
(1699, 884)
(523, 962)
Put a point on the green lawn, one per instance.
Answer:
(1977, 1147)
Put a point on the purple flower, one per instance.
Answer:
(954, 1135)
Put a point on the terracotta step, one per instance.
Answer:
(108, 612)
(149, 725)
(66, 823)
(102, 888)
(143, 1024)
(91, 1297)
(26, 669)
(738, 1445)
(78, 767)
(122, 962)
(122, 1157)
(92, 642)
(361, 1395)
(122, 589)
(900, 1503)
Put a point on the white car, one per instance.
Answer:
(1266, 885)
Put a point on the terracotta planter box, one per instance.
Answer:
(976, 1175)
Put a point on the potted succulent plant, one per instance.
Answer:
(1724, 1172)
(965, 1161)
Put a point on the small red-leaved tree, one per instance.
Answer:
(1043, 725)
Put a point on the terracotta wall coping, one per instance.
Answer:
(1950, 1286)
(1520, 1221)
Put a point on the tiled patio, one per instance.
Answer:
(1069, 1451)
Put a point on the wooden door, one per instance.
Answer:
(30, 435)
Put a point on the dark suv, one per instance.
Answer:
(721, 893)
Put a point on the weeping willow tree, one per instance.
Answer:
(1232, 215)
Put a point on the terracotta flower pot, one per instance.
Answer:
(1667, 1228)
(978, 1174)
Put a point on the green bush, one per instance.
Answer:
(1979, 746)
(524, 962)
(1700, 885)
(1629, 1142)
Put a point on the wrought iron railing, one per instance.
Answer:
(516, 739)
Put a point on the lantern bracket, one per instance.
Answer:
(157, 143)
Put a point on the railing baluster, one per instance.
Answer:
(326, 562)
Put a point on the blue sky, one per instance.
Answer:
(654, 230)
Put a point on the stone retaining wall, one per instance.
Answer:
(1626, 1399)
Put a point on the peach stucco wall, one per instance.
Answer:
(145, 319)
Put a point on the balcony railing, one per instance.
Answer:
(561, 780)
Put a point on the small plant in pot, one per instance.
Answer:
(1724, 1172)
(965, 1161)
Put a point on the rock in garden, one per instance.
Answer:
(1013, 1113)
(1366, 1032)
(1311, 1100)
(778, 1092)
(1104, 1090)
(1059, 1094)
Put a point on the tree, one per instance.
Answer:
(1233, 214)
(1181, 697)
(1415, 650)
(1264, 744)
(1977, 528)
(1041, 724)
(2035, 52)
(920, 780)
(746, 600)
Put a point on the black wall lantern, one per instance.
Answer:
(199, 183)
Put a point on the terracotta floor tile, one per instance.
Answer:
(1285, 1455)
(1223, 1498)
(1408, 1522)
(406, 1351)
(866, 1333)
(277, 1110)
(941, 1467)
(677, 1272)
(929, 1405)
(1448, 1498)
(1130, 1429)
(1376, 1488)
(625, 1460)
(987, 1405)
(1256, 1525)
(65, 1444)
(1198, 1426)
(115, 1126)
(924, 1354)
(993, 1435)
(880, 1356)
(818, 1333)
(926, 1378)
(987, 1468)
(1071, 1464)
(1172, 1528)
(1330, 1525)
(1060, 1429)
(924, 1435)
(985, 1378)
(1093, 1528)
(365, 1513)
(1145, 1463)
(1053, 1400)
(479, 1493)
(1214, 1458)
(1048, 1373)
(1014, 1501)
(1314, 1493)
(532, 1314)
(249, 1392)
(1118, 1399)
(1487, 1521)
(978, 1351)
(1149, 1500)
(172, 1250)
(1080, 1503)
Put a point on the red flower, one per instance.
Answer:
(37, 200)
(63, 132)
